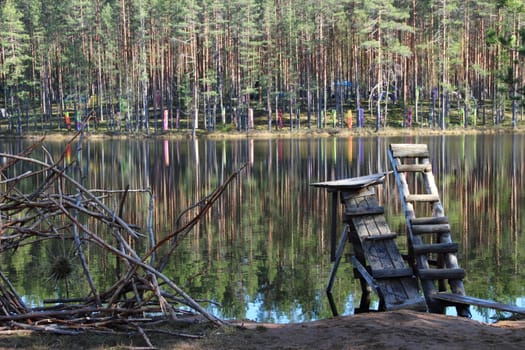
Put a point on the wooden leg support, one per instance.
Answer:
(367, 284)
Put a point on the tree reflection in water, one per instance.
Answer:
(263, 251)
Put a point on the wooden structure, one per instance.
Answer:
(429, 238)
(432, 260)
(378, 263)
(431, 249)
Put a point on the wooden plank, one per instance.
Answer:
(411, 198)
(435, 248)
(383, 255)
(402, 293)
(366, 275)
(429, 229)
(416, 303)
(352, 183)
(432, 220)
(382, 236)
(333, 228)
(414, 167)
(353, 211)
(442, 274)
(404, 150)
(398, 293)
(467, 300)
(393, 273)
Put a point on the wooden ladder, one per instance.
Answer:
(430, 244)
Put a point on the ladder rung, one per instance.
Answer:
(393, 273)
(435, 248)
(422, 198)
(381, 237)
(432, 220)
(414, 167)
(429, 229)
(403, 150)
(364, 211)
(442, 274)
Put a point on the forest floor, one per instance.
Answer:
(406, 330)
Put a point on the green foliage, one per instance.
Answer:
(513, 5)
(492, 36)
(14, 44)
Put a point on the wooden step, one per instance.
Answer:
(381, 237)
(405, 150)
(429, 229)
(393, 273)
(416, 303)
(442, 274)
(432, 220)
(411, 198)
(357, 211)
(414, 167)
(435, 248)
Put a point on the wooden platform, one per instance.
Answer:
(377, 260)
(353, 183)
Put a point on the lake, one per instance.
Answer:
(262, 252)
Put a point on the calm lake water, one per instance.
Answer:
(262, 253)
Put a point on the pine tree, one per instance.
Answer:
(383, 22)
(14, 58)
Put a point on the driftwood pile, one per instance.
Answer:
(141, 297)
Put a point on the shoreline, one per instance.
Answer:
(266, 134)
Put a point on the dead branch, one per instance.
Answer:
(61, 208)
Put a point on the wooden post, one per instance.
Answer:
(333, 234)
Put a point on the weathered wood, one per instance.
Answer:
(416, 303)
(366, 275)
(403, 155)
(349, 212)
(374, 247)
(23, 215)
(435, 248)
(354, 193)
(442, 274)
(337, 259)
(432, 220)
(352, 183)
(406, 150)
(398, 287)
(393, 273)
(429, 229)
(411, 198)
(382, 236)
(468, 300)
(449, 260)
(414, 167)
(333, 229)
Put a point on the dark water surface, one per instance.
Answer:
(262, 252)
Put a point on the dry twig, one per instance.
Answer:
(50, 211)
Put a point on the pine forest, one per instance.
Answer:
(132, 65)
